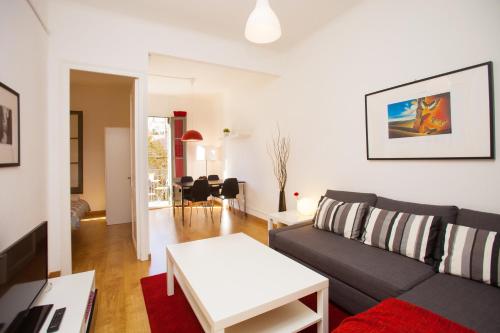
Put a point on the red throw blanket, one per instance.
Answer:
(396, 316)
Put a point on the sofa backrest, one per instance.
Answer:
(448, 213)
(479, 220)
(345, 196)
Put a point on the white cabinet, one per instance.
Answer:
(75, 292)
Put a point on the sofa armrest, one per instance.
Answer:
(272, 233)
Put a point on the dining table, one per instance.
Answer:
(182, 186)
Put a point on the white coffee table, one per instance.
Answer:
(236, 284)
(289, 217)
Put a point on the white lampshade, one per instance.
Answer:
(206, 153)
(306, 206)
(263, 26)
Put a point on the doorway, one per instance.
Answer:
(159, 163)
(101, 155)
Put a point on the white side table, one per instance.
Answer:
(289, 217)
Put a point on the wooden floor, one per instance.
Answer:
(109, 251)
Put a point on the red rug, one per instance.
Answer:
(174, 314)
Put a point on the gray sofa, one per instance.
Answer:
(361, 275)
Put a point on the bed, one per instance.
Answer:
(79, 208)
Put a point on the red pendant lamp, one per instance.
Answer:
(192, 136)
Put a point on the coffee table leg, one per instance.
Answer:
(170, 275)
(322, 306)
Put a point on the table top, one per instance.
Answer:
(72, 292)
(219, 182)
(290, 217)
(234, 277)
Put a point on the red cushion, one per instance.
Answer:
(396, 316)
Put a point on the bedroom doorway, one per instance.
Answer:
(102, 157)
(159, 163)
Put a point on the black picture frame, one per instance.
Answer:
(17, 131)
(492, 150)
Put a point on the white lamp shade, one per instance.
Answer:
(206, 153)
(201, 153)
(263, 26)
(306, 206)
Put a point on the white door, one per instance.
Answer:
(117, 151)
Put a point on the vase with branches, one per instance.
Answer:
(280, 152)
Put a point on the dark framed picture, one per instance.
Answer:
(446, 116)
(10, 147)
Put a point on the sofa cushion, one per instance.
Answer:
(345, 196)
(471, 253)
(472, 304)
(342, 218)
(448, 214)
(377, 273)
(411, 235)
(479, 220)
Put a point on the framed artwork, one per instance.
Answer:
(447, 116)
(10, 147)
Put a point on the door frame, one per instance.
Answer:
(140, 145)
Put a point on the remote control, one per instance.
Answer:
(56, 320)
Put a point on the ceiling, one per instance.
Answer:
(227, 18)
(175, 76)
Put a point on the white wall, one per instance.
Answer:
(319, 102)
(23, 67)
(86, 37)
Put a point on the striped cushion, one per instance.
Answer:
(411, 235)
(343, 218)
(471, 253)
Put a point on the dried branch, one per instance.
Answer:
(279, 153)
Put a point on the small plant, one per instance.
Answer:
(226, 130)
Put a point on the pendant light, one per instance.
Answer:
(263, 26)
(192, 136)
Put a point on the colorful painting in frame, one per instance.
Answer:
(446, 116)
(429, 115)
(10, 149)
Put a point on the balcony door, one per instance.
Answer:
(159, 162)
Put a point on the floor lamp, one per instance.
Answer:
(206, 153)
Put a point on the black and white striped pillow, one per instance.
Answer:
(471, 253)
(411, 235)
(343, 218)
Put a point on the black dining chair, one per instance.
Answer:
(214, 189)
(185, 192)
(186, 179)
(229, 191)
(200, 192)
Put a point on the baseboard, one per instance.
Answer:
(257, 213)
(54, 274)
(95, 213)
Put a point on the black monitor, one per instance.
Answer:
(23, 275)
